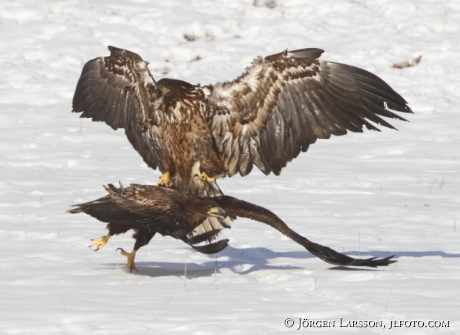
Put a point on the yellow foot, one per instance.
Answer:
(165, 180)
(204, 178)
(130, 265)
(100, 242)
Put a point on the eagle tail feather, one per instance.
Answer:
(210, 189)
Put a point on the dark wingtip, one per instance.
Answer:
(212, 248)
(113, 49)
(208, 236)
(311, 53)
(333, 257)
(373, 262)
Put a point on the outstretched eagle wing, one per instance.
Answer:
(120, 91)
(285, 102)
(236, 207)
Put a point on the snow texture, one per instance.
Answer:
(376, 193)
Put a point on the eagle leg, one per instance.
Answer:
(165, 180)
(130, 255)
(100, 242)
(204, 178)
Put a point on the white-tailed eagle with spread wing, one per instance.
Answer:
(171, 212)
(193, 134)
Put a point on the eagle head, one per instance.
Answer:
(167, 86)
(205, 208)
(216, 211)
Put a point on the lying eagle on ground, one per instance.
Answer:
(194, 134)
(172, 212)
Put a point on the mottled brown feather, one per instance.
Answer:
(168, 211)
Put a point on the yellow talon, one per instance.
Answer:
(100, 242)
(165, 180)
(204, 178)
(130, 265)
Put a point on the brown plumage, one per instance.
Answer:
(265, 117)
(172, 212)
(149, 210)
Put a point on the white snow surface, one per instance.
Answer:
(376, 193)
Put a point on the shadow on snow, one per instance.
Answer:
(248, 260)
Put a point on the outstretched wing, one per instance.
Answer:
(285, 102)
(120, 91)
(236, 207)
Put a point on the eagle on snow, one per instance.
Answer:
(149, 209)
(194, 134)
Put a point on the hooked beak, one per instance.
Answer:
(217, 212)
(161, 91)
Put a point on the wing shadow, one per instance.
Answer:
(248, 260)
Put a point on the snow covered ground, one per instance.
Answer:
(394, 192)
